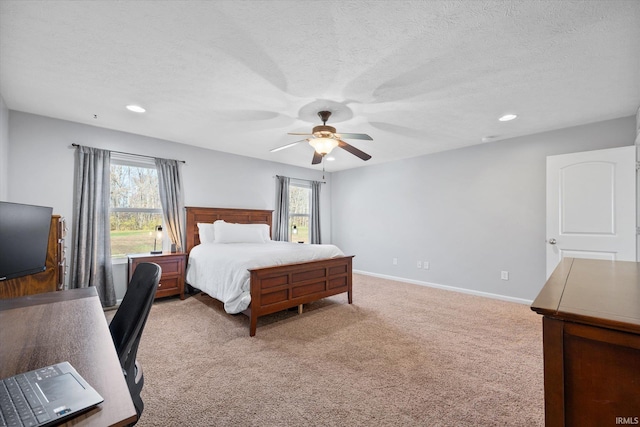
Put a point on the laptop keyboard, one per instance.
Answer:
(19, 404)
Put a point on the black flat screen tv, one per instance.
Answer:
(24, 235)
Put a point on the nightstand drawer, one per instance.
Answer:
(169, 286)
(172, 265)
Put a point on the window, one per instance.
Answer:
(135, 208)
(299, 211)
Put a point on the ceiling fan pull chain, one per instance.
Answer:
(323, 167)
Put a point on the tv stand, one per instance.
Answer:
(52, 278)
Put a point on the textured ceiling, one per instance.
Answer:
(236, 76)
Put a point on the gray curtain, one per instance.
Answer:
(91, 244)
(281, 220)
(314, 232)
(171, 199)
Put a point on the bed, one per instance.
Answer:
(277, 287)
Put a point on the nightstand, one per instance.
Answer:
(173, 270)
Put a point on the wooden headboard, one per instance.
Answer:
(209, 215)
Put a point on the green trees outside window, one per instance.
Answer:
(135, 208)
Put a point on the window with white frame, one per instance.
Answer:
(299, 211)
(135, 209)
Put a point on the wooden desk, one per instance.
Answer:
(591, 338)
(44, 329)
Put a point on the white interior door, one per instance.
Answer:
(591, 205)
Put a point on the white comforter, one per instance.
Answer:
(221, 270)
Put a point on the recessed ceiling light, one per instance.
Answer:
(330, 159)
(136, 108)
(488, 138)
(508, 117)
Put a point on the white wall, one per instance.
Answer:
(471, 213)
(4, 149)
(41, 170)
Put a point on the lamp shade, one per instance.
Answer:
(323, 145)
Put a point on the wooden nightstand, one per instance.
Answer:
(173, 270)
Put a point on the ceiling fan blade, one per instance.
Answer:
(291, 144)
(353, 150)
(354, 136)
(297, 133)
(317, 158)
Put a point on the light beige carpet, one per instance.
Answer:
(400, 355)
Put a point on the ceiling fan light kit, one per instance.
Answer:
(323, 145)
(324, 138)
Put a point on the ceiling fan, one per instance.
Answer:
(324, 138)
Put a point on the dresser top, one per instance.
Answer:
(596, 292)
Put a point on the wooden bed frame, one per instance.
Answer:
(283, 286)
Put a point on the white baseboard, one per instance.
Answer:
(448, 288)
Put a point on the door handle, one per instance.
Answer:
(552, 241)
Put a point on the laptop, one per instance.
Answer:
(45, 396)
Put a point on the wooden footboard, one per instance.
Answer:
(285, 286)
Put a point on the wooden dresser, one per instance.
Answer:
(173, 270)
(591, 338)
(52, 279)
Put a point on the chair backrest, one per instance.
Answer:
(128, 322)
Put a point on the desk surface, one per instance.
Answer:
(43, 329)
(597, 292)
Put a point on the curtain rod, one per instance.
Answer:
(129, 154)
(299, 179)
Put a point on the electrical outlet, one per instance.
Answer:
(419, 265)
(425, 265)
(395, 261)
(504, 275)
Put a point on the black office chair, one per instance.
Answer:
(128, 322)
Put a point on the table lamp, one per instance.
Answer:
(157, 237)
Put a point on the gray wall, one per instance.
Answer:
(638, 182)
(471, 213)
(4, 149)
(41, 166)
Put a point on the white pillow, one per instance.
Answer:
(240, 233)
(206, 232)
(264, 229)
